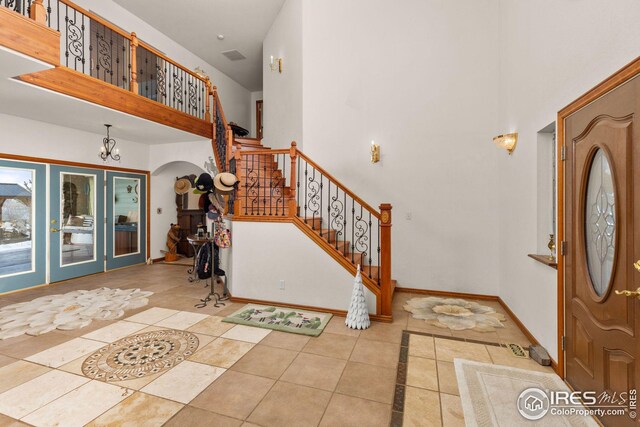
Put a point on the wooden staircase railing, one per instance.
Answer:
(286, 185)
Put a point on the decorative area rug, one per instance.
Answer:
(283, 319)
(455, 314)
(73, 310)
(140, 355)
(495, 395)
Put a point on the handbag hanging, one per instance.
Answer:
(222, 235)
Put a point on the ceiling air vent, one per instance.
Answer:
(234, 55)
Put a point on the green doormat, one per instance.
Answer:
(283, 319)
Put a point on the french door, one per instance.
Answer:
(76, 222)
(126, 219)
(602, 219)
(22, 225)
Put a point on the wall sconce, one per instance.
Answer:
(375, 152)
(276, 64)
(107, 149)
(507, 141)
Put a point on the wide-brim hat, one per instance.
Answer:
(204, 184)
(182, 186)
(225, 182)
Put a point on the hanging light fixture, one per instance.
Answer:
(108, 146)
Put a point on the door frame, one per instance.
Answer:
(617, 79)
(44, 160)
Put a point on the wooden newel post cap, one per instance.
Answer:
(385, 216)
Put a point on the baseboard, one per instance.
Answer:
(341, 313)
(447, 294)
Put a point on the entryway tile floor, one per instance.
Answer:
(239, 376)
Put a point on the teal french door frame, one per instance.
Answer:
(37, 274)
(140, 256)
(59, 272)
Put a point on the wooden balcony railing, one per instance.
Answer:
(92, 45)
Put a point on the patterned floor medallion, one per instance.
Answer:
(140, 355)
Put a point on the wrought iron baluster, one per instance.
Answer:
(379, 272)
(313, 226)
(246, 181)
(353, 213)
(370, 260)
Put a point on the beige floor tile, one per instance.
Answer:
(32, 395)
(348, 411)
(368, 382)
(196, 417)
(376, 353)
(422, 373)
(234, 394)
(152, 315)
(315, 371)
(181, 320)
(19, 372)
(25, 345)
(331, 345)
(502, 356)
(421, 346)
(115, 331)
(421, 408)
(79, 406)
(137, 410)
(66, 352)
(386, 332)
(336, 326)
(286, 340)
(513, 335)
(10, 422)
(470, 334)
(212, 325)
(447, 350)
(291, 405)
(6, 360)
(447, 379)
(248, 424)
(452, 414)
(246, 333)
(265, 361)
(183, 382)
(222, 352)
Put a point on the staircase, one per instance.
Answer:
(284, 185)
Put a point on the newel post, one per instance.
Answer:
(134, 66)
(293, 205)
(207, 112)
(237, 204)
(37, 12)
(385, 259)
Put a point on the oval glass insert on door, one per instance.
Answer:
(600, 223)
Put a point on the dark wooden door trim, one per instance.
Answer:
(619, 78)
(259, 119)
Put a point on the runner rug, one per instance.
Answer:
(283, 319)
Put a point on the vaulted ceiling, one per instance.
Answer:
(197, 23)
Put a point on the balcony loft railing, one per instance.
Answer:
(91, 45)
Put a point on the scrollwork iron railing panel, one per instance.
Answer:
(232, 196)
(342, 220)
(264, 184)
(22, 7)
(109, 53)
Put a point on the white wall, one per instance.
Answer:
(255, 96)
(311, 276)
(235, 98)
(551, 53)
(38, 139)
(283, 91)
(421, 81)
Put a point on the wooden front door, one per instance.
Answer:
(602, 172)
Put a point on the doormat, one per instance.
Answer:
(495, 395)
(284, 319)
(73, 310)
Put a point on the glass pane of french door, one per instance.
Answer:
(77, 224)
(22, 225)
(126, 219)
